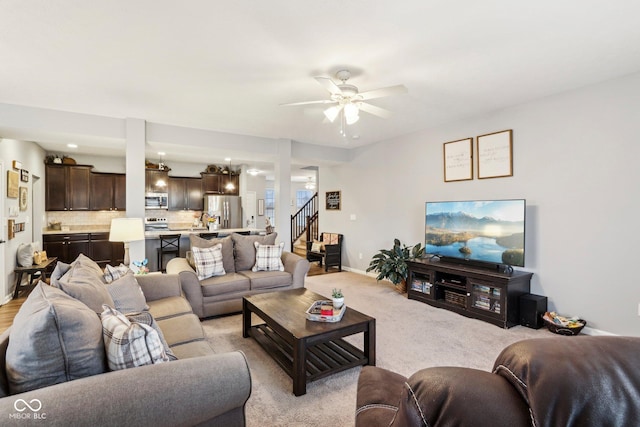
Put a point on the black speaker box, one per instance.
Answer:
(532, 308)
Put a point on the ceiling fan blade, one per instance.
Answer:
(376, 111)
(329, 85)
(324, 101)
(385, 91)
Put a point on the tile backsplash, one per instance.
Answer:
(76, 219)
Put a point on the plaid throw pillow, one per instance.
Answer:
(129, 344)
(268, 257)
(208, 261)
(112, 273)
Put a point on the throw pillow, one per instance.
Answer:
(268, 257)
(25, 255)
(227, 249)
(59, 271)
(189, 256)
(208, 261)
(129, 343)
(245, 251)
(54, 338)
(89, 265)
(146, 318)
(317, 246)
(112, 273)
(127, 295)
(85, 284)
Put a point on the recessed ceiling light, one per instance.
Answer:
(161, 153)
(72, 145)
(355, 137)
(227, 159)
(253, 172)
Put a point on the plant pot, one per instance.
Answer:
(337, 302)
(402, 287)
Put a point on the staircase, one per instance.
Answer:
(304, 226)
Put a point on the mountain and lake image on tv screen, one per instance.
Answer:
(482, 230)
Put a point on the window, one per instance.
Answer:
(302, 197)
(270, 205)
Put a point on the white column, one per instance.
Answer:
(282, 189)
(136, 140)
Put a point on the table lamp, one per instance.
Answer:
(126, 230)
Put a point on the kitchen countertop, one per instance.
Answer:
(185, 231)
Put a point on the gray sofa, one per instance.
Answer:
(223, 294)
(200, 388)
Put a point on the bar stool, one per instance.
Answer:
(169, 244)
(208, 236)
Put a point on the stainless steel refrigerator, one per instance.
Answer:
(227, 210)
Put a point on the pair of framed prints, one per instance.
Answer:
(494, 153)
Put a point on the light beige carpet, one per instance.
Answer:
(410, 336)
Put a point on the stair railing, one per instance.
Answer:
(305, 221)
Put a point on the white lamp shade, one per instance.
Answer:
(331, 113)
(351, 113)
(126, 230)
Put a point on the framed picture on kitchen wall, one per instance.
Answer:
(333, 200)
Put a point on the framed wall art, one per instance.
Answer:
(24, 175)
(12, 184)
(23, 198)
(495, 154)
(458, 160)
(333, 200)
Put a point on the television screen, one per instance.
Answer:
(490, 231)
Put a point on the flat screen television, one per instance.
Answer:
(487, 232)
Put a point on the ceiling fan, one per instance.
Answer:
(348, 101)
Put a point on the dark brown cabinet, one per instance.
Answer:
(185, 194)
(474, 292)
(67, 247)
(215, 183)
(108, 192)
(156, 181)
(67, 187)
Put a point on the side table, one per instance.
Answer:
(33, 272)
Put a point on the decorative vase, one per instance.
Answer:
(337, 302)
(213, 226)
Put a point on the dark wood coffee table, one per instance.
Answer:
(305, 349)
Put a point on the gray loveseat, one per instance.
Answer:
(222, 294)
(200, 388)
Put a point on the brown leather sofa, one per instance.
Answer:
(560, 381)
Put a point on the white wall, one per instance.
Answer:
(575, 161)
(32, 158)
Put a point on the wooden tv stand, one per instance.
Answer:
(474, 292)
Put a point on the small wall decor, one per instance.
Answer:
(12, 184)
(495, 154)
(333, 200)
(11, 229)
(24, 175)
(24, 198)
(17, 165)
(458, 160)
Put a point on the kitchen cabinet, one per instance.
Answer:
(156, 180)
(108, 192)
(67, 187)
(185, 194)
(67, 247)
(105, 252)
(215, 183)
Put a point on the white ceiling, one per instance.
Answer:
(227, 65)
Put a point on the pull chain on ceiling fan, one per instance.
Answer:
(349, 101)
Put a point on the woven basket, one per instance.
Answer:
(455, 298)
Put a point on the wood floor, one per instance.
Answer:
(10, 309)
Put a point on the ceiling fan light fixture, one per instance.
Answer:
(331, 113)
(351, 113)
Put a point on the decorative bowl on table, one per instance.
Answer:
(563, 325)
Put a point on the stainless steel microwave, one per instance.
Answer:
(156, 201)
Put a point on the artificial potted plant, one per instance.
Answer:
(337, 297)
(391, 263)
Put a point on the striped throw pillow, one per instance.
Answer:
(129, 344)
(208, 261)
(268, 257)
